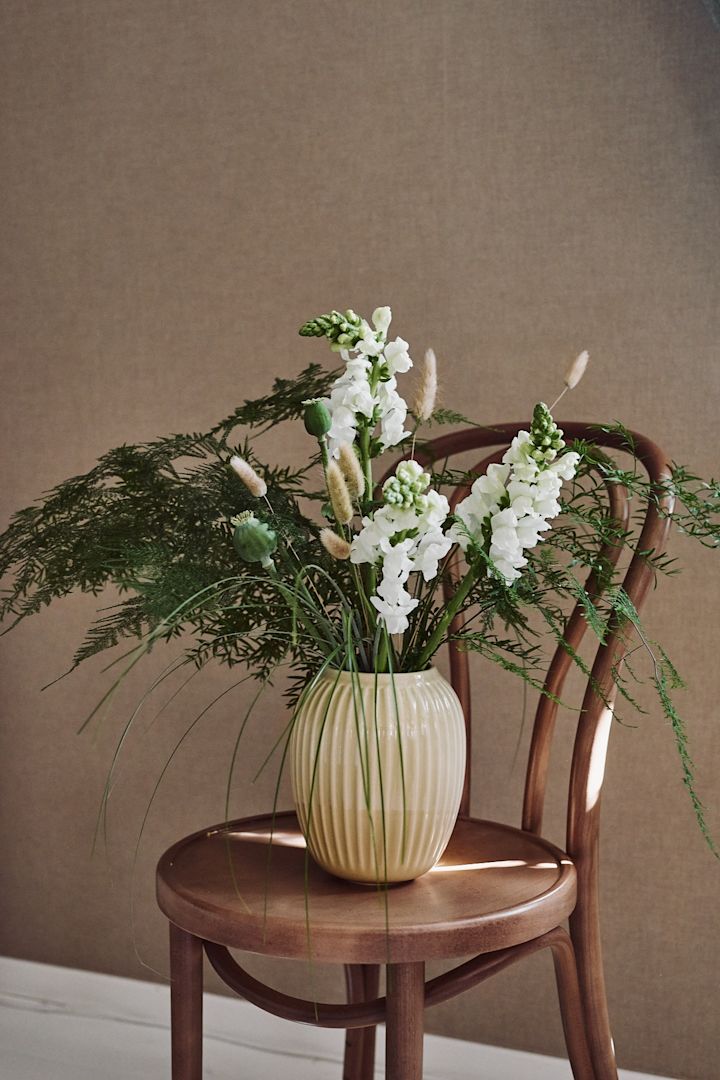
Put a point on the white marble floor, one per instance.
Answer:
(61, 1024)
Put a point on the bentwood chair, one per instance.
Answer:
(499, 893)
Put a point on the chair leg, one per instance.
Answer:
(585, 934)
(571, 1009)
(186, 989)
(362, 985)
(404, 1018)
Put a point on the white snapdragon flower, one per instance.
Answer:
(393, 413)
(510, 507)
(517, 456)
(369, 344)
(409, 508)
(486, 494)
(431, 549)
(381, 319)
(352, 398)
(393, 602)
(397, 356)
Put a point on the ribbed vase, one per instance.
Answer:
(378, 763)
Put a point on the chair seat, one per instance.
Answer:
(495, 886)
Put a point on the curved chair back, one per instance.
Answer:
(595, 718)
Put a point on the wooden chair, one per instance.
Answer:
(499, 893)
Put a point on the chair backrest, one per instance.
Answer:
(595, 717)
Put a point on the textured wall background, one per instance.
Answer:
(185, 183)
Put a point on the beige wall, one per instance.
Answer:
(185, 182)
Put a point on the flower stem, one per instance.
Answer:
(454, 605)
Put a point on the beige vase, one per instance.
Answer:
(378, 763)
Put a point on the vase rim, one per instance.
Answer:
(384, 678)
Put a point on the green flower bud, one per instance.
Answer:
(545, 434)
(254, 540)
(317, 418)
(343, 331)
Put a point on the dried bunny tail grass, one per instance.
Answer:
(339, 494)
(576, 370)
(351, 469)
(427, 390)
(334, 544)
(254, 483)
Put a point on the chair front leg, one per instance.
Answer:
(404, 1018)
(186, 990)
(362, 985)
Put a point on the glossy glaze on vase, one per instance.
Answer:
(386, 823)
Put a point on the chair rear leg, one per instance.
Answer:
(571, 1009)
(186, 989)
(585, 934)
(362, 985)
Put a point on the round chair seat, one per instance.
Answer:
(495, 886)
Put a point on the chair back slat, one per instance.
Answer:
(561, 664)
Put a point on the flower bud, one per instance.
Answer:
(254, 540)
(317, 418)
(381, 319)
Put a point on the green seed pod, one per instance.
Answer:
(317, 418)
(254, 540)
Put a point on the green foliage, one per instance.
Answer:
(153, 519)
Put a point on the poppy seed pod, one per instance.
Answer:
(254, 540)
(317, 418)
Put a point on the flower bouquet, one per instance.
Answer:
(349, 578)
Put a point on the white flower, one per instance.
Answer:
(565, 465)
(434, 546)
(436, 510)
(343, 428)
(483, 501)
(397, 356)
(393, 413)
(351, 397)
(369, 344)
(381, 319)
(524, 467)
(395, 615)
(393, 602)
(510, 571)
(383, 540)
(513, 502)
